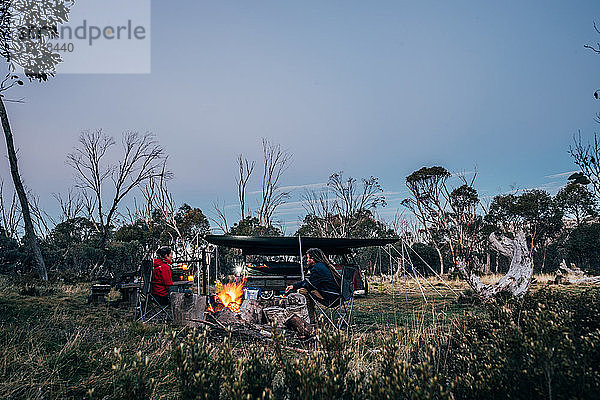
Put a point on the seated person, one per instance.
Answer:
(162, 279)
(324, 281)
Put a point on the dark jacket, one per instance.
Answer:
(322, 280)
(161, 278)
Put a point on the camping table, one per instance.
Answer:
(129, 292)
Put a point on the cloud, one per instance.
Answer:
(462, 173)
(562, 174)
(296, 187)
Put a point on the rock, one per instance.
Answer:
(187, 309)
(251, 311)
(276, 315)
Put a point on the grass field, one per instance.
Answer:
(54, 345)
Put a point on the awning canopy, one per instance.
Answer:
(290, 245)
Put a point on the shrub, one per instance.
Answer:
(395, 378)
(546, 345)
(202, 366)
(132, 380)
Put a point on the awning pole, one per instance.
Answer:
(300, 246)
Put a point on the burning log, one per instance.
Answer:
(226, 312)
(227, 317)
(230, 297)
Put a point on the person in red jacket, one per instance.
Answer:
(162, 279)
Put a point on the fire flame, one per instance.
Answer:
(230, 296)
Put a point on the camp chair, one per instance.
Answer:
(338, 313)
(148, 307)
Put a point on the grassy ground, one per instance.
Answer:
(54, 345)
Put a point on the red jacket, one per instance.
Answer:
(161, 278)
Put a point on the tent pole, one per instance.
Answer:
(300, 247)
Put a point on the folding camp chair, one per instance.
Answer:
(148, 307)
(338, 312)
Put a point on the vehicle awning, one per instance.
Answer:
(290, 245)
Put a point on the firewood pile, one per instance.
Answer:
(247, 319)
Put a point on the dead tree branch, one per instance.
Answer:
(71, 206)
(276, 161)
(221, 219)
(10, 213)
(245, 170)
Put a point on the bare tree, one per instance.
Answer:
(594, 47)
(30, 237)
(220, 218)
(9, 211)
(275, 161)
(587, 157)
(141, 160)
(245, 170)
(41, 218)
(71, 206)
(319, 210)
(345, 205)
(351, 200)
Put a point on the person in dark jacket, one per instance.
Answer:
(323, 283)
(162, 279)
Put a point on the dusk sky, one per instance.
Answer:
(369, 88)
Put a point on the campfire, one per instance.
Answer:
(229, 297)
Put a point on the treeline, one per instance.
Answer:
(97, 236)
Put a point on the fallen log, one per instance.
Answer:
(564, 273)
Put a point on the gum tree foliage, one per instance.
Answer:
(426, 187)
(25, 28)
(153, 233)
(534, 212)
(576, 201)
(251, 226)
(10, 252)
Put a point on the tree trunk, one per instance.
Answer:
(14, 171)
(441, 259)
(517, 279)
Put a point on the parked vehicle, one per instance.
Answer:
(271, 276)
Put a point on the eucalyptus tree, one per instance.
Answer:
(454, 216)
(26, 26)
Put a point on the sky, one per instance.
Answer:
(368, 88)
